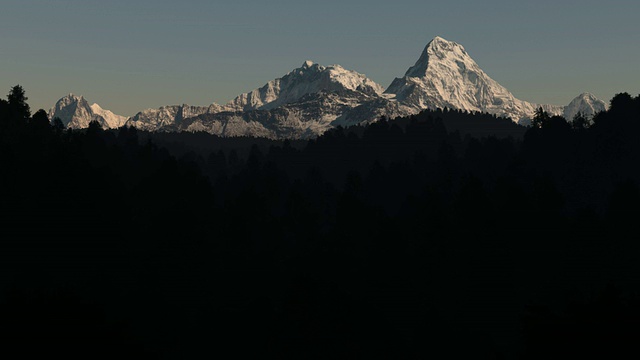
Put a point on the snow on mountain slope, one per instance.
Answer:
(308, 117)
(166, 116)
(76, 113)
(586, 104)
(113, 121)
(446, 76)
(303, 103)
(308, 79)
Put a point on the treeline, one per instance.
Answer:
(444, 234)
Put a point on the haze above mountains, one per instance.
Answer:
(311, 99)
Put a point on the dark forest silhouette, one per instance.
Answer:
(445, 234)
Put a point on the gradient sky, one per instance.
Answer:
(128, 55)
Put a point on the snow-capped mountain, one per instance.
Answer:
(167, 116)
(76, 113)
(110, 119)
(308, 117)
(310, 78)
(304, 103)
(446, 76)
(311, 99)
(586, 104)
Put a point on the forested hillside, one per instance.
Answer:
(445, 234)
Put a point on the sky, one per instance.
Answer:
(136, 54)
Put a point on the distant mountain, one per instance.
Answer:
(307, 117)
(76, 113)
(446, 76)
(304, 103)
(311, 99)
(310, 78)
(586, 104)
(169, 116)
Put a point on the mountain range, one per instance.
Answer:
(313, 98)
(76, 113)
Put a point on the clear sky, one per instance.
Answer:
(128, 55)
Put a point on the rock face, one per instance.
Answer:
(446, 76)
(311, 99)
(76, 113)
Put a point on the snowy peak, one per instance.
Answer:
(446, 76)
(76, 113)
(586, 104)
(303, 103)
(588, 98)
(71, 99)
(310, 78)
(440, 45)
(439, 49)
(113, 121)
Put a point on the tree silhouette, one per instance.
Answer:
(40, 119)
(580, 122)
(407, 237)
(540, 118)
(57, 124)
(4, 113)
(18, 102)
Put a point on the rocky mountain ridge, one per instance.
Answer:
(311, 99)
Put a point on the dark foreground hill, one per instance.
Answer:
(409, 238)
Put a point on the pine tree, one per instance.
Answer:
(580, 122)
(18, 102)
(540, 119)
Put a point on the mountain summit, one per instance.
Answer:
(310, 78)
(441, 49)
(76, 113)
(446, 76)
(586, 104)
